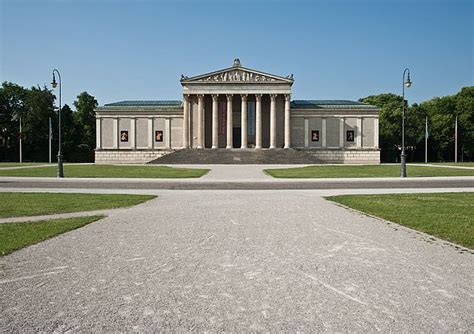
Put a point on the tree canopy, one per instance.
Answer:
(441, 113)
(35, 106)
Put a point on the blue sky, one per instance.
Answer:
(127, 50)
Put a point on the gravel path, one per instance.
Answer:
(238, 261)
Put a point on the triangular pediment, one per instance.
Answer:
(237, 74)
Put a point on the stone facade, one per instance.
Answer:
(110, 156)
(238, 108)
(349, 156)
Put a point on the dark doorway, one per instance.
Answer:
(236, 135)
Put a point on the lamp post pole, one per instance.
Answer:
(403, 157)
(60, 155)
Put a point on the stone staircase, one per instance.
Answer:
(238, 156)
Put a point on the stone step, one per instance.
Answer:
(238, 156)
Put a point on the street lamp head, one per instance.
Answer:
(408, 81)
(54, 83)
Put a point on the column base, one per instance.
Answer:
(214, 147)
(243, 147)
(229, 147)
(258, 147)
(272, 146)
(286, 146)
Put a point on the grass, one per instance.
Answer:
(109, 171)
(34, 204)
(449, 216)
(14, 236)
(331, 171)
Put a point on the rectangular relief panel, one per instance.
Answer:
(315, 124)
(159, 126)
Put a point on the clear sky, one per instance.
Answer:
(127, 50)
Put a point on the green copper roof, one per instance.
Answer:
(329, 104)
(162, 103)
(295, 104)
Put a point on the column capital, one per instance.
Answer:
(244, 97)
(229, 97)
(215, 97)
(287, 97)
(186, 97)
(258, 97)
(200, 96)
(273, 97)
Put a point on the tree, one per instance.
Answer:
(39, 108)
(389, 124)
(85, 119)
(465, 112)
(12, 107)
(70, 137)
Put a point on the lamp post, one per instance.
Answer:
(54, 84)
(403, 156)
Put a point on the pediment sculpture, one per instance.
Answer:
(238, 76)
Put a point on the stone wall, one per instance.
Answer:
(128, 156)
(349, 156)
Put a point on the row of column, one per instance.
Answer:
(244, 122)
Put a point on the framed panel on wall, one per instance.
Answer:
(124, 136)
(159, 136)
(350, 135)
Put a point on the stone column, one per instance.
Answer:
(215, 121)
(133, 136)
(185, 121)
(306, 132)
(273, 120)
(116, 132)
(258, 121)
(98, 133)
(376, 132)
(342, 122)
(323, 132)
(151, 137)
(359, 143)
(229, 121)
(200, 125)
(287, 121)
(243, 126)
(168, 132)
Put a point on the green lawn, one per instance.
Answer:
(33, 204)
(449, 216)
(14, 236)
(136, 171)
(336, 171)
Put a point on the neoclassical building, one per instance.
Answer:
(237, 108)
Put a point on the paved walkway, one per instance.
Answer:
(24, 167)
(219, 182)
(443, 166)
(237, 172)
(238, 261)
